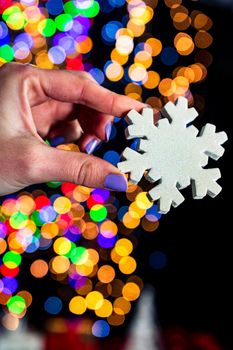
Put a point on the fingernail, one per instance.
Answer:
(90, 147)
(116, 182)
(99, 145)
(108, 130)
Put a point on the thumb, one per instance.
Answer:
(76, 167)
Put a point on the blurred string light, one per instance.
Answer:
(67, 222)
(87, 230)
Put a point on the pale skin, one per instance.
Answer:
(38, 104)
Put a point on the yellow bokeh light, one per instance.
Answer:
(135, 209)
(105, 310)
(137, 72)
(153, 79)
(26, 204)
(137, 29)
(62, 246)
(62, 205)
(93, 257)
(200, 72)
(167, 87)
(3, 245)
(187, 73)
(123, 247)
(119, 58)
(141, 15)
(108, 229)
(81, 193)
(182, 85)
(49, 230)
(84, 270)
(155, 45)
(131, 291)
(77, 305)
(84, 46)
(115, 256)
(60, 264)
(135, 96)
(184, 44)
(16, 244)
(127, 265)
(144, 58)
(94, 300)
(106, 274)
(124, 44)
(114, 71)
(142, 201)
(43, 61)
(131, 219)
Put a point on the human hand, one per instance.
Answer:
(36, 104)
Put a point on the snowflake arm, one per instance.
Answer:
(127, 166)
(212, 141)
(139, 123)
(205, 183)
(180, 113)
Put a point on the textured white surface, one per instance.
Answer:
(173, 154)
(144, 330)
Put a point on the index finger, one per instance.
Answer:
(77, 87)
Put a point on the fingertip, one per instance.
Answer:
(116, 182)
(127, 104)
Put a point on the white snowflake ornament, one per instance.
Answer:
(173, 154)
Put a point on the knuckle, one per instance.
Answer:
(83, 172)
(9, 66)
(16, 74)
(15, 68)
(25, 72)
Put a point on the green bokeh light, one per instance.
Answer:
(10, 11)
(78, 254)
(36, 218)
(7, 53)
(89, 12)
(18, 220)
(98, 213)
(16, 304)
(12, 259)
(47, 27)
(64, 22)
